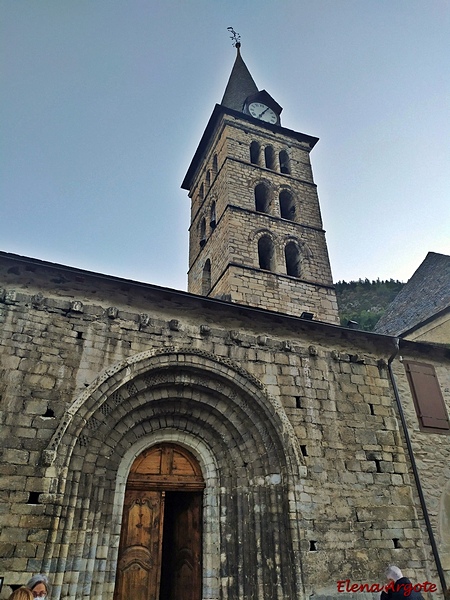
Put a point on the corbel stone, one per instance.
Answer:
(357, 358)
(144, 320)
(37, 300)
(76, 306)
(335, 355)
(112, 312)
(10, 297)
(235, 335)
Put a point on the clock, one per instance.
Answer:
(262, 112)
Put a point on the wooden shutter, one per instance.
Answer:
(427, 396)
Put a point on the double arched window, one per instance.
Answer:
(206, 278)
(209, 178)
(287, 205)
(285, 165)
(286, 202)
(266, 253)
(267, 259)
(202, 227)
(262, 200)
(292, 257)
(203, 232)
(269, 157)
(212, 215)
(255, 150)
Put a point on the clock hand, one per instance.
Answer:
(265, 110)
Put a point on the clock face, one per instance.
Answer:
(263, 112)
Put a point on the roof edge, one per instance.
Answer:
(231, 306)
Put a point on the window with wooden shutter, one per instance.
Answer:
(427, 396)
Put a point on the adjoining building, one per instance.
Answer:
(421, 310)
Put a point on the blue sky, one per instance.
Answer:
(103, 103)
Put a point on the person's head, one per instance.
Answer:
(393, 573)
(39, 586)
(22, 593)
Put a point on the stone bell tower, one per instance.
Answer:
(256, 235)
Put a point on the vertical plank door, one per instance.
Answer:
(139, 567)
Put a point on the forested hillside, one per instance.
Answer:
(365, 301)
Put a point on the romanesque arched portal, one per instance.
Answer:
(245, 449)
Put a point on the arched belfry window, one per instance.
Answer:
(255, 151)
(206, 278)
(285, 165)
(287, 205)
(208, 179)
(201, 192)
(262, 198)
(292, 256)
(266, 253)
(214, 165)
(202, 232)
(269, 157)
(212, 220)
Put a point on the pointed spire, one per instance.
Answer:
(240, 84)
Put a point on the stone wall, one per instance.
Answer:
(294, 424)
(262, 289)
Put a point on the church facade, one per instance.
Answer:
(230, 442)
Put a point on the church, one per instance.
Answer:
(232, 442)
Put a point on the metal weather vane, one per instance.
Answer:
(235, 37)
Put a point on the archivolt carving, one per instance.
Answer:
(126, 376)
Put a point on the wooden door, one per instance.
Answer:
(139, 565)
(160, 543)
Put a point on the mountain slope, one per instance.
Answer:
(365, 301)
